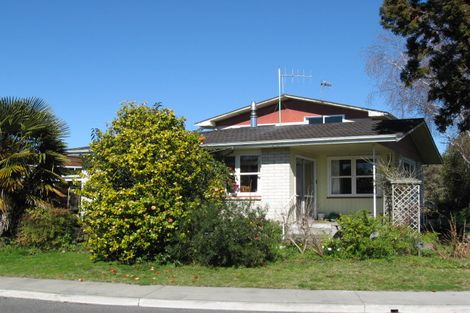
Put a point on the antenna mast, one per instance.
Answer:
(280, 80)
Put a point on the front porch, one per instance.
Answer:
(322, 179)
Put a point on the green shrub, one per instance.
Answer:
(363, 236)
(47, 228)
(231, 234)
(147, 174)
(333, 216)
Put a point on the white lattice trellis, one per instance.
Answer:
(402, 202)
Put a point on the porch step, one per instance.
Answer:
(316, 227)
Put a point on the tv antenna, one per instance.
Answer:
(293, 75)
(325, 84)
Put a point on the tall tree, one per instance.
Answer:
(31, 158)
(456, 182)
(147, 173)
(385, 59)
(437, 34)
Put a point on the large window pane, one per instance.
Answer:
(249, 164)
(363, 167)
(230, 162)
(364, 185)
(340, 186)
(315, 120)
(248, 183)
(333, 119)
(341, 168)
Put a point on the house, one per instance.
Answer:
(320, 155)
(74, 177)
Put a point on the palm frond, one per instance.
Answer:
(32, 153)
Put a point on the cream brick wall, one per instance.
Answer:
(275, 175)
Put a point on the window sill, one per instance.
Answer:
(244, 197)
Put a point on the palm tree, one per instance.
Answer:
(32, 154)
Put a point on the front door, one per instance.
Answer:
(305, 188)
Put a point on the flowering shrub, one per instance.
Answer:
(363, 236)
(147, 174)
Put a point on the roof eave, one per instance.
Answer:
(430, 156)
(305, 142)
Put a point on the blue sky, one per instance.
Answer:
(200, 58)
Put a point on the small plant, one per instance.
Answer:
(333, 216)
(363, 236)
(298, 228)
(458, 242)
(47, 228)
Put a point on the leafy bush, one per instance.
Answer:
(47, 228)
(147, 173)
(363, 236)
(333, 216)
(231, 234)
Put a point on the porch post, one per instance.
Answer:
(374, 197)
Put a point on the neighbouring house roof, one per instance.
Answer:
(73, 161)
(79, 151)
(74, 156)
(358, 131)
(211, 122)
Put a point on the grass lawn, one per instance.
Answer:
(294, 271)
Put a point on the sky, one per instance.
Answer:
(199, 58)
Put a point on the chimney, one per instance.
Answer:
(253, 118)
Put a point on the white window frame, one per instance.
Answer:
(237, 173)
(353, 177)
(324, 116)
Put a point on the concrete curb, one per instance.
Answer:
(184, 304)
(233, 306)
(44, 296)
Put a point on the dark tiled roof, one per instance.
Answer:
(360, 127)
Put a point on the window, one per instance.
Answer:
(315, 120)
(333, 119)
(248, 173)
(245, 170)
(325, 119)
(409, 166)
(230, 162)
(351, 176)
(341, 177)
(364, 177)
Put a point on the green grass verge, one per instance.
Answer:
(293, 271)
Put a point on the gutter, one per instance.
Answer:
(306, 142)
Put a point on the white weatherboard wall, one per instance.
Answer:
(275, 176)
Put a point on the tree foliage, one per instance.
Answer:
(385, 59)
(448, 185)
(31, 158)
(147, 173)
(456, 182)
(438, 49)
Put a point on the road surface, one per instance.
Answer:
(11, 305)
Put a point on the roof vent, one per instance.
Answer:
(253, 117)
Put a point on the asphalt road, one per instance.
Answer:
(11, 305)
